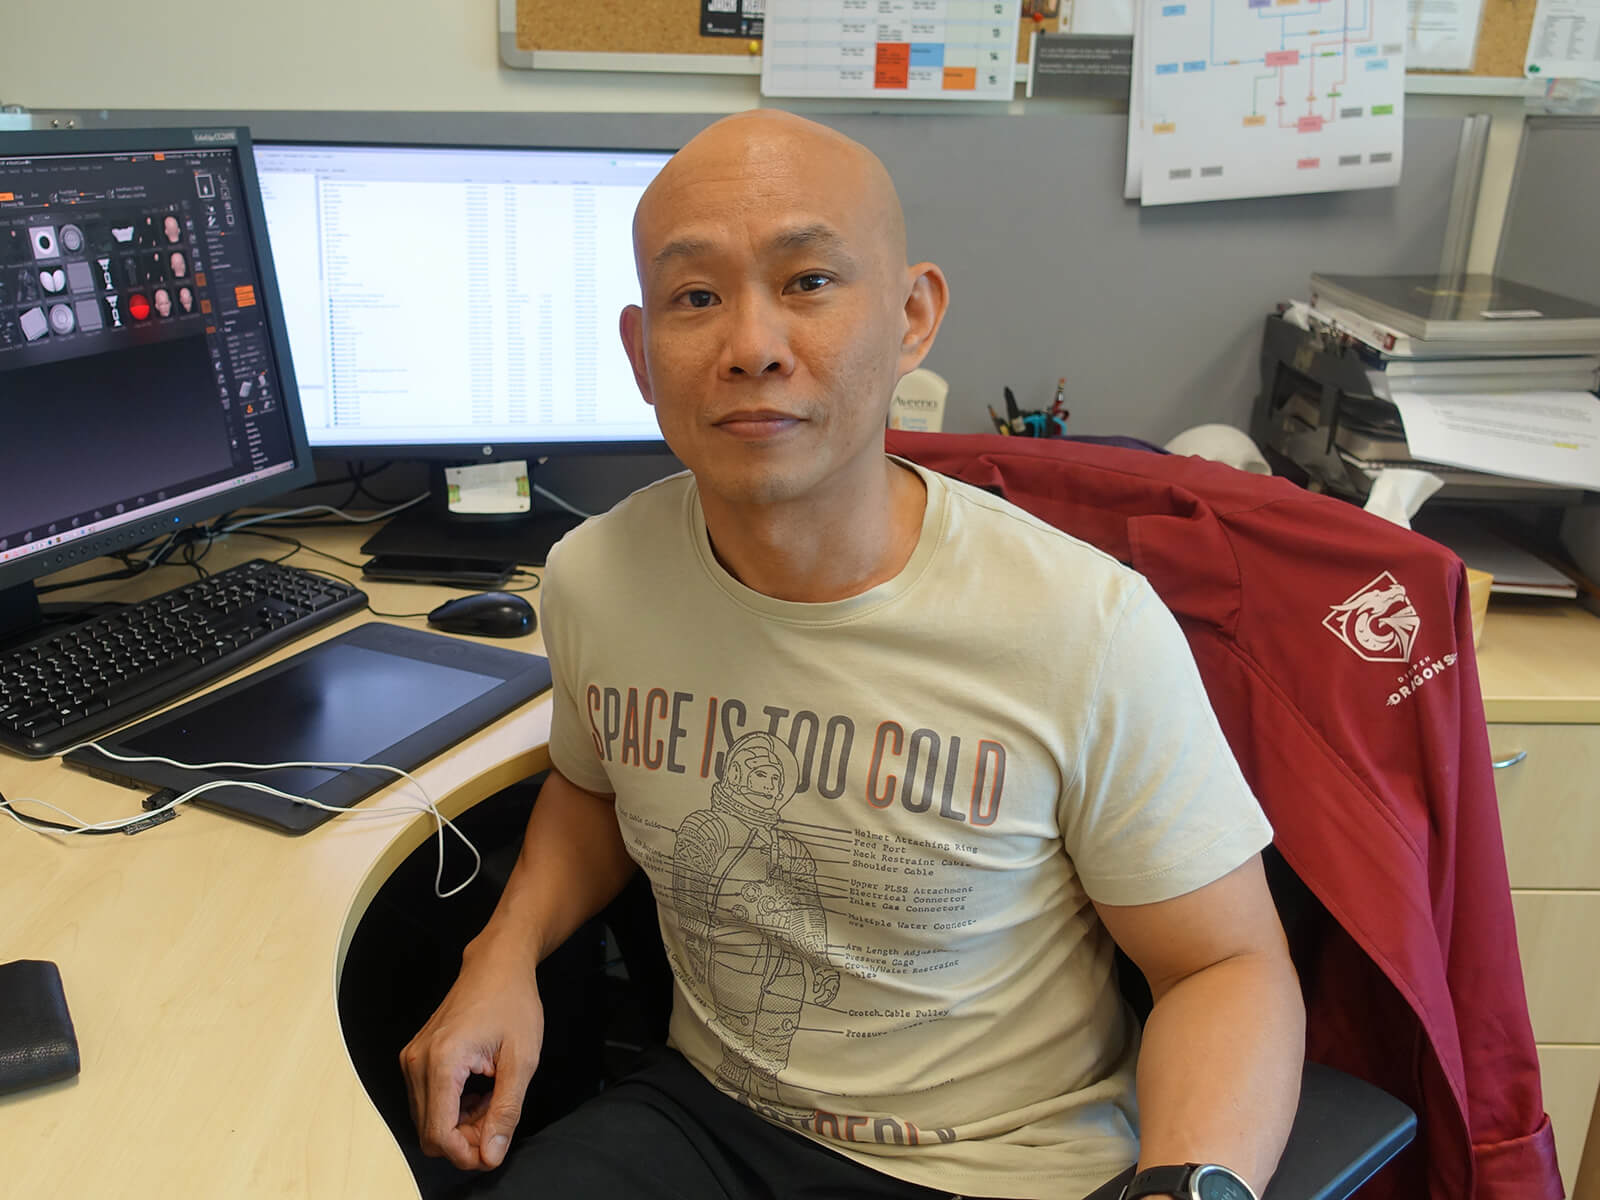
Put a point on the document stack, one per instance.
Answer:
(1486, 383)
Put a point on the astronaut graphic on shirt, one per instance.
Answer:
(752, 917)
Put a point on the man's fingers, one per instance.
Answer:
(439, 1128)
(412, 1070)
(513, 1070)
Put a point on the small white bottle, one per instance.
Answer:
(918, 402)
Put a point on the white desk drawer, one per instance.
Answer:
(1557, 938)
(1570, 1076)
(1549, 803)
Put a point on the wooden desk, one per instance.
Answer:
(201, 962)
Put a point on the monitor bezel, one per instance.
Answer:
(475, 451)
(20, 143)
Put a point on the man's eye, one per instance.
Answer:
(699, 298)
(812, 281)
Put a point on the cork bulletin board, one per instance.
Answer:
(666, 28)
(640, 27)
(1502, 40)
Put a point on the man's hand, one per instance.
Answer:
(491, 1024)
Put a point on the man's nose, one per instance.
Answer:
(758, 340)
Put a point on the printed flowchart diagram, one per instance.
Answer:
(1267, 97)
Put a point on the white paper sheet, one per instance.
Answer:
(1442, 35)
(1553, 437)
(1102, 16)
(1267, 98)
(1565, 42)
(891, 49)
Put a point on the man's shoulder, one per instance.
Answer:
(644, 519)
(987, 523)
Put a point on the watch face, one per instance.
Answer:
(1213, 1183)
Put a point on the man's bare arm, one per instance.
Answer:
(1219, 1070)
(573, 862)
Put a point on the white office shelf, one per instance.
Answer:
(1471, 85)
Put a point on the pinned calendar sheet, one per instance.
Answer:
(910, 49)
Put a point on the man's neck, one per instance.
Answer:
(813, 552)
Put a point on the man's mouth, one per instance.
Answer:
(755, 424)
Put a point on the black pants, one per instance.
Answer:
(665, 1133)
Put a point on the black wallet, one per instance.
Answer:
(37, 1044)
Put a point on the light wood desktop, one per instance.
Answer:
(201, 960)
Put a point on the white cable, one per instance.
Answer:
(560, 503)
(323, 508)
(440, 821)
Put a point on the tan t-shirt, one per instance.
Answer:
(874, 826)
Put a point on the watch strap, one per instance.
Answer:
(1160, 1181)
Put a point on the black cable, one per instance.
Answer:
(354, 480)
(298, 547)
(363, 489)
(126, 573)
(38, 824)
(192, 558)
(131, 566)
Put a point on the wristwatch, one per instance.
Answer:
(1190, 1181)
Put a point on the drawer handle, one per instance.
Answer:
(1502, 763)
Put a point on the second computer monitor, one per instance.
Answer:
(459, 302)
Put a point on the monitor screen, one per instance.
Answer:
(459, 302)
(143, 383)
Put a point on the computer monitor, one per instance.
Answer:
(459, 304)
(144, 372)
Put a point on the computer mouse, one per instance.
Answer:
(488, 614)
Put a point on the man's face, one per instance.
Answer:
(163, 302)
(179, 267)
(773, 314)
(186, 298)
(170, 225)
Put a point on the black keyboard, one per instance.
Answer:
(72, 685)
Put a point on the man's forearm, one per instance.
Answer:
(1219, 1070)
(572, 864)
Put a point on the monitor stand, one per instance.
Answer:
(24, 619)
(21, 619)
(431, 530)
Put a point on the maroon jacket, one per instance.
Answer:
(1337, 651)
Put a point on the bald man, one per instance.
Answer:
(890, 847)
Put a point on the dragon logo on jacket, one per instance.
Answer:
(1378, 621)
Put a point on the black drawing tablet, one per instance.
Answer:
(379, 693)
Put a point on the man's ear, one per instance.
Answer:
(631, 326)
(926, 303)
